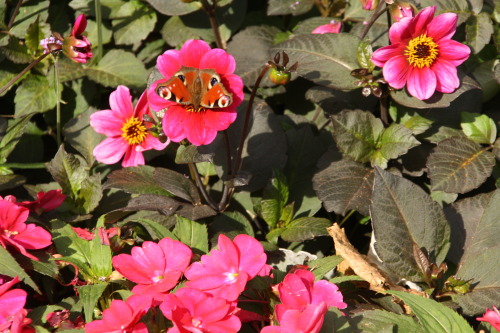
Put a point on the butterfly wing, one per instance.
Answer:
(174, 90)
(216, 95)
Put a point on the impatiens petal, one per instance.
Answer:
(329, 293)
(169, 63)
(33, 237)
(447, 78)
(442, 26)
(177, 254)
(11, 302)
(220, 60)
(110, 150)
(419, 23)
(294, 292)
(396, 71)
(133, 157)
(252, 256)
(106, 122)
(421, 83)
(453, 52)
(192, 52)
(120, 101)
(383, 54)
(11, 215)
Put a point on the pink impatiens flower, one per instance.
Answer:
(333, 28)
(12, 312)
(193, 310)
(156, 268)
(185, 120)
(125, 128)
(122, 316)
(44, 202)
(422, 54)
(15, 233)
(492, 317)
(225, 271)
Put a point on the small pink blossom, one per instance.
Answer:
(225, 271)
(193, 310)
(156, 268)
(127, 133)
(16, 234)
(422, 54)
(198, 124)
(12, 313)
(122, 316)
(45, 201)
(333, 28)
(492, 317)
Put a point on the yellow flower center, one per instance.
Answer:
(134, 131)
(9, 233)
(191, 108)
(421, 51)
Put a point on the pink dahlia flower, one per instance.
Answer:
(225, 271)
(193, 310)
(333, 28)
(122, 316)
(422, 54)
(492, 317)
(198, 124)
(126, 131)
(156, 268)
(19, 235)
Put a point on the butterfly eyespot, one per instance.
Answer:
(213, 81)
(163, 92)
(224, 101)
(181, 77)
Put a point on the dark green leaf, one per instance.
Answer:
(479, 29)
(133, 22)
(174, 7)
(13, 134)
(396, 140)
(35, 94)
(231, 221)
(404, 216)
(285, 7)
(336, 321)
(177, 184)
(35, 33)
(159, 230)
(136, 180)
(193, 234)
(374, 321)
(326, 59)
(10, 267)
(175, 32)
(478, 128)
(458, 165)
(29, 12)
(320, 267)
(89, 295)
(190, 154)
(305, 228)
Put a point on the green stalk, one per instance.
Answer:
(58, 102)
(98, 18)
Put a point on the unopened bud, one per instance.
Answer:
(401, 9)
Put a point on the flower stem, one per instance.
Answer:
(376, 14)
(98, 18)
(211, 11)
(384, 109)
(15, 78)
(58, 101)
(14, 14)
(196, 176)
(352, 211)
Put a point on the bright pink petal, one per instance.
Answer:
(329, 293)
(11, 302)
(421, 83)
(383, 54)
(156, 102)
(11, 215)
(420, 22)
(252, 256)
(127, 267)
(453, 52)
(79, 26)
(107, 122)
(219, 60)
(446, 74)
(132, 158)
(120, 101)
(141, 108)
(396, 71)
(271, 329)
(110, 150)
(294, 292)
(173, 123)
(192, 52)
(442, 27)
(33, 237)
(169, 63)
(152, 143)
(177, 254)
(398, 32)
(234, 84)
(220, 119)
(196, 129)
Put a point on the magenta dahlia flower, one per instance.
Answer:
(196, 110)
(422, 54)
(126, 131)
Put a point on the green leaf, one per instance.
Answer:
(159, 230)
(35, 94)
(175, 32)
(410, 119)
(275, 197)
(119, 67)
(321, 63)
(177, 184)
(174, 7)
(357, 133)
(365, 53)
(344, 185)
(433, 316)
(133, 22)
(89, 295)
(404, 216)
(100, 254)
(29, 12)
(91, 32)
(320, 267)
(305, 228)
(10, 267)
(193, 234)
(285, 7)
(376, 320)
(190, 154)
(478, 128)
(458, 165)
(136, 180)
(484, 73)
(13, 134)
(478, 29)
(231, 222)
(396, 140)
(35, 33)
(336, 321)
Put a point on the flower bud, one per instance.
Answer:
(401, 9)
(76, 46)
(369, 4)
(279, 76)
(333, 28)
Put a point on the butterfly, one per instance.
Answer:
(196, 87)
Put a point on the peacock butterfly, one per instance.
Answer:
(196, 87)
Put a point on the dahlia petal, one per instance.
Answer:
(120, 101)
(132, 158)
(219, 60)
(220, 119)
(396, 71)
(156, 102)
(420, 22)
(169, 63)
(141, 108)
(196, 129)
(421, 83)
(173, 123)
(193, 51)
(150, 142)
(446, 74)
(383, 54)
(106, 122)
(33, 237)
(453, 52)
(234, 84)
(79, 26)
(442, 26)
(398, 32)
(110, 150)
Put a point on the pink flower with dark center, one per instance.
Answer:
(225, 271)
(422, 54)
(333, 28)
(44, 202)
(203, 73)
(193, 310)
(76, 46)
(492, 317)
(12, 312)
(156, 268)
(125, 128)
(16, 234)
(122, 316)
